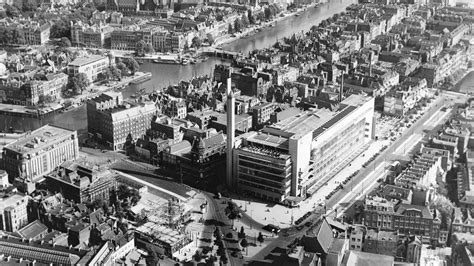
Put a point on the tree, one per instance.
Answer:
(61, 28)
(140, 49)
(260, 238)
(149, 48)
(152, 258)
(238, 25)
(115, 73)
(65, 42)
(197, 256)
(224, 259)
(196, 42)
(95, 237)
(230, 29)
(78, 83)
(445, 207)
(122, 67)
(244, 243)
(45, 99)
(250, 17)
(132, 64)
(241, 234)
(210, 39)
(268, 13)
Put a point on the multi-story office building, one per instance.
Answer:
(82, 184)
(92, 66)
(96, 36)
(39, 152)
(13, 214)
(112, 120)
(293, 157)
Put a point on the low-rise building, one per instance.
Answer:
(381, 242)
(82, 184)
(402, 98)
(167, 240)
(92, 66)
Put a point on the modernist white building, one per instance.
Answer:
(291, 158)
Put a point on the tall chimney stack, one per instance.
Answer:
(370, 63)
(341, 90)
(230, 182)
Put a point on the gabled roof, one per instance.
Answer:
(324, 237)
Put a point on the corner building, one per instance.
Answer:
(40, 152)
(295, 156)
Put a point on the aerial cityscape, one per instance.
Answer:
(237, 132)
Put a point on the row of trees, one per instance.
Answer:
(144, 48)
(9, 36)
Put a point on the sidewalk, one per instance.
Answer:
(283, 217)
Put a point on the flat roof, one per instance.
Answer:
(9, 200)
(86, 60)
(38, 139)
(160, 232)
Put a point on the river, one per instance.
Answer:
(164, 75)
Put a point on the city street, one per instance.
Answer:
(362, 183)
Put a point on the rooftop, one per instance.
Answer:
(10, 200)
(32, 230)
(81, 61)
(38, 139)
(161, 233)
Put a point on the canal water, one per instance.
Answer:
(165, 75)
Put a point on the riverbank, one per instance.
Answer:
(253, 29)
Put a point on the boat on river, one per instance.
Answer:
(165, 61)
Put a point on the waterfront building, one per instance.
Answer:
(34, 32)
(95, 36)
(39, 152)
(92, 66)
(34, 91)
(13, 214)
(292, 157)
(82, 184)
(112, 120)
(126, 38)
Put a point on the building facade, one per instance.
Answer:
(113, 121)
(292, 157)
(13, 213)
(40, 152)
(92, 66)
